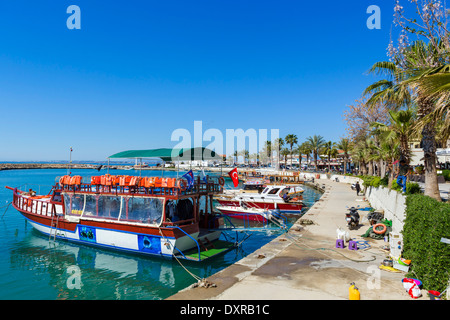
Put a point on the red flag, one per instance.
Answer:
(234, 176)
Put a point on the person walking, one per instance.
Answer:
(358, 188)
(402, 172)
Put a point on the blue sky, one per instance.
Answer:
(138, 70)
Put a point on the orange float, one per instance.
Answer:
(383, 230)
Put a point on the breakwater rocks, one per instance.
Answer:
(18, 166)
(317, 186)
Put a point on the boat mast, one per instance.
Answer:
(70, 162)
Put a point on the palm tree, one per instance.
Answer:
(306, 149)
(301, 150)
(277, 146)
(316, 143)
(344, 145)
(359, 154)
(374, 155)
(334, 153)
(246, 155)
(291, 139)
(412, 72)
(285, 152)
(399, 130)
(269, 150)
(390, 150)
(424, 62)
(388, 91)
(328, 150)
(235, 155)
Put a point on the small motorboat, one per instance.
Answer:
(244, 212)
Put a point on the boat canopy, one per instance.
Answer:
(168, 154)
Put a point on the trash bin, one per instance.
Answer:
(434, 295)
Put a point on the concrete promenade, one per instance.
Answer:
(304, 264)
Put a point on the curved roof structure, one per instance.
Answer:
(167, 154)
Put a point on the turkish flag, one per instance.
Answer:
(234, 176)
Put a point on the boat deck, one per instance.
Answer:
(207, 251)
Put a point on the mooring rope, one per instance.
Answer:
(173, 254)
(7, 207)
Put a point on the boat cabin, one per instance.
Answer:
(151, 201)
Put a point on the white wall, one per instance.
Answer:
(341, 178)
(393, 204)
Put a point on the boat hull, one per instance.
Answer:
(242, 215)
(283, 207)
(165, 242)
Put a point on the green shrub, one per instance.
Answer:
(371, 181)
(446, 174)
(385, 181)
(396, 187)
(427, 221)
(376, 182)
(413, 188)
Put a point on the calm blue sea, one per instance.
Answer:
(31, 267)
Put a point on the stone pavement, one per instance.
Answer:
(304, 264)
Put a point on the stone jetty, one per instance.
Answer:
(19, 166)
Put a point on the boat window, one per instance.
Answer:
(108, 207)
(90, 208)
(252, 187)
(74, 204)
(56, 197)
(265, 190)
(274, 191)
(144, 210)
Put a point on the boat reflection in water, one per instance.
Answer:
(84, 272)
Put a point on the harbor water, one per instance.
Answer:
(32, 267)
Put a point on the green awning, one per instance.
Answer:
(169, 154)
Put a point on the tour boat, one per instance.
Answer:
(145, 215)
(285, 198)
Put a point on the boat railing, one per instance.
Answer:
(34, 205)
(136, 190)
(196, 242)
(38, 188)
(201, 188)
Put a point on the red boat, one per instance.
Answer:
(287, 199)
(249, 214)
